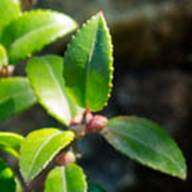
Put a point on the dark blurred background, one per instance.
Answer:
(153, 67)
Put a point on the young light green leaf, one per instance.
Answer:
(95, 188)
(16, 96)
(39, 148)
(7, 180)
(66, 179)
(10, 143)
(3, 56)
(147, 143)
(9, 10)
(88, 64)
(33, 30)
(45, 75)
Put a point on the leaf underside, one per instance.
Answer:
(89, 64)
(66, 179)
(33, 30)
(39, 148)
(16, 96)
(147, 143)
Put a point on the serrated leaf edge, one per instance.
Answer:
(100, 15)
(37, 11)
(40, 101)
(28, 179)
(183, 177)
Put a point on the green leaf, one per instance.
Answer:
(3, 56)
(7, 180)
(45, 75)
(10, 143)
(9, 10)
(33, 30)
(88, 64)
(18, 185)
(147, 143)
(95, 188)
(16, 96)
(66, 179)
(39, 148)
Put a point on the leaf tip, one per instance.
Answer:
(183, 174)
(100, 13)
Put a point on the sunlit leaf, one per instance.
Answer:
(88, 64)
(33, 30)
(3, 56)
(45, 75)
(66, 179)
(39, 148)
(9, 10)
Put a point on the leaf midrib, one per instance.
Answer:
(20, 39)
(62, 94)
(148, 146)
(57, 82)
(39, 150)
(64, 180)
(88, 64)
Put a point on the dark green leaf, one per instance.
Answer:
(45, 75)
(9, 10)
(66, 179)
(147, 143)
(16, 96)
(7, 180)
(39, 148)
(10, 143)
(33, 30)
(88, 64)
(3, 56)
(95, 188)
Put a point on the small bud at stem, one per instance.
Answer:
(65, 158)
(88, 123)
(96, 124)
(6, 71)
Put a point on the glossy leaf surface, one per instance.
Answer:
(39, 148)
(33, 30)
(66, 179)
(45, 75)
(16, 96)
(147, 143)
(88, 64)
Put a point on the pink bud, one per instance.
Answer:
(64, 159)
(96, 124)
